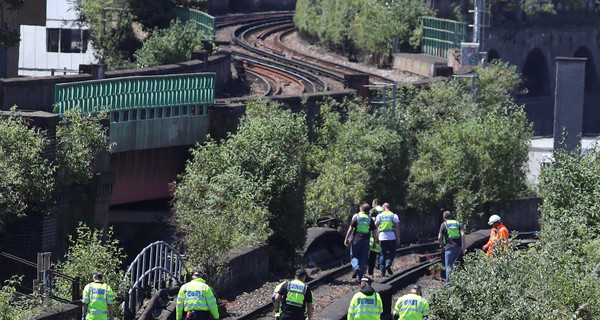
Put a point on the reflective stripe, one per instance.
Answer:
(97, 312)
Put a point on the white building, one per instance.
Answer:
(59, 47)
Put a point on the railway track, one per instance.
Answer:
(336, 280)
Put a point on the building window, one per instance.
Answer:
(67, 40)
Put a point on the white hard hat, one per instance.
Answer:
(494, 218)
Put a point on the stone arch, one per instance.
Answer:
(591, 78)
(536, 77)
(493, 55)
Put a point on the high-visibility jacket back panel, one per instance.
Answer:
(453, 230)
(97, 296)
(296, 291)
(196, 295)
(411, 307)
(363, 223)
(363, 307)
(386, 221)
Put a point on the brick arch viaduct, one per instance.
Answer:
(534, 51)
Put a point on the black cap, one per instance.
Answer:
(366, 279)
(197, 274)
(98, 275)
(301, 273)
(417, 287)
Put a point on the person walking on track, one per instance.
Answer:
(196, 300)
(451, 238)
(388, 225)
(365, 304)
(295, 297)
(362, 227)
(411, 306)
(498, 236)
(97, 300)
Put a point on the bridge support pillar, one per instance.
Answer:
(568, 102)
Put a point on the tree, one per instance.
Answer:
(171, 45)
(553, 278)
(26, 178)
(245, 190)
(92, 250)
(9, 38)
(356, 155)
(471, 147)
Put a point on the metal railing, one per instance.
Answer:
(45, 277)
(152, 269)
(52, 71)
(439, 35)
(139, 92)
(206, 23)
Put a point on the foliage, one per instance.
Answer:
(245, 190)
(156, 14)
(356, 156)
(344, 24)
(15, 306)
(172, 45)
(201, 5)
(395, 19)
(26, 178)
(92, 250)
(471, 145)
(9, 38)
(80, 139)
(113, 38)
(552, 279)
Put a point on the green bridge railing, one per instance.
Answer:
(203, 21)
(439, 35)
(140, 97)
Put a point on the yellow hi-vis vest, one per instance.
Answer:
(363, 223)
(386, 221)
(377, 246)
(453, 229)
(97, 296)
(411, 307)
(363, 307)
(196, 295)
(296, 292)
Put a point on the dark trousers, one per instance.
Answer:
(196, 315)
(372, 261)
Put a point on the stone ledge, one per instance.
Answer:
(422, 64)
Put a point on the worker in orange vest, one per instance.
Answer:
(498, 236)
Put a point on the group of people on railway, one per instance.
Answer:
(373, 232)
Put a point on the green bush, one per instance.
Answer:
(553, 278)
(17, 306)
(356, 156)
(26, 178)
(92, 250)
(245, 190)
(471, 145)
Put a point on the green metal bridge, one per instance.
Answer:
(154, 120)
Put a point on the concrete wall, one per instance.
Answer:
(246, 265)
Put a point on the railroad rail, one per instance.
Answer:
(397, 281)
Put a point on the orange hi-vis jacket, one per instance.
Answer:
(495, 241)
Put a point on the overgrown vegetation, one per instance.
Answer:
(16, 306)
(348, 25)
(554, 278)
(355, 155)
(471, 143)
(448, 147)
(27, 179)
(171, 45)
(245, 190)
(92, 250)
